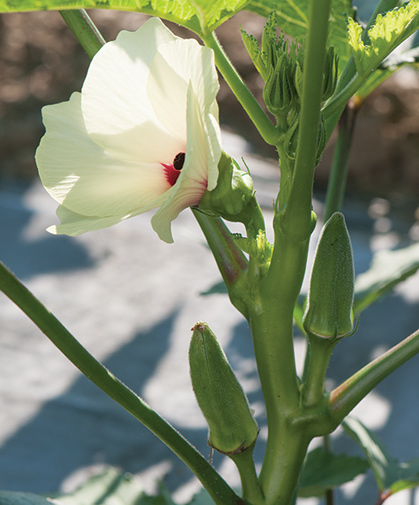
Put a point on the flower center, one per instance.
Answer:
(172, 171)
(178, 161)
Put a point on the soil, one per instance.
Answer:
(41, 62)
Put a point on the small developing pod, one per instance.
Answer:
(329, 311)
(231, 426)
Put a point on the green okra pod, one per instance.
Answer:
(329, 311)
(231, 426)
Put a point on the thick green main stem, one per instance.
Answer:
(272, 315)
(219, 490)
(300, 200)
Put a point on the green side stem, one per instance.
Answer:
(231, 261)
(319, 351)
(229, 257)
(263, 124)
(346, 396)
(245, 464)
(84, 29)
(219, 490)
(340, 163)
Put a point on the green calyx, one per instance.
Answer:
(329, 311)
(232, 428)
(278, 92)
(232, 195)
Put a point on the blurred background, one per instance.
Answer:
(132, 299)
(41, 62)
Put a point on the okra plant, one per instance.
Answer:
(143, 134)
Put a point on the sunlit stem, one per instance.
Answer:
(263, 124)
(219, 490)
(231, 261)
(84, 29)
(346, 396)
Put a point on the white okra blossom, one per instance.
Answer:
(142, 134)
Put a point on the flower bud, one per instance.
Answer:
(329, 311)
(255, 54)
(269, 42)
(278, 92)
(231, 426)
(233, 192)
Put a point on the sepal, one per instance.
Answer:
(232, 194)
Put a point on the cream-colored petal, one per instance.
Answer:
(177, 65)
(213, 142)
(75, 224)
(83, 177)
(116, 109)
(202, 156)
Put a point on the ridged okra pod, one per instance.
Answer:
(231, 426)
(329, 311)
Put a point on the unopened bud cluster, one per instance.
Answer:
(281, 65)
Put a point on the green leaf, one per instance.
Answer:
(323, 471)
(13, 498)
(199, 16)
(292, 18)
(201, 498)
(216, 289)
(390, 475)
(387, 33)
(388, 268)
(108, 488)
(214, 13)
(394, 62)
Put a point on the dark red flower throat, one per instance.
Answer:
(172, 171)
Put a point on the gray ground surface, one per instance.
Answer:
(131, 300)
